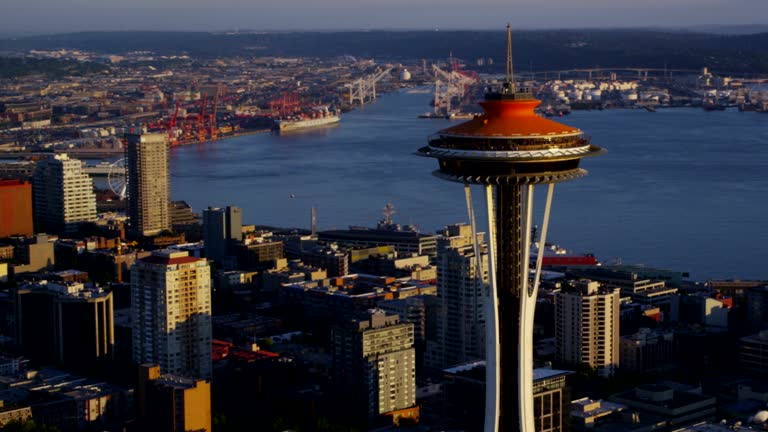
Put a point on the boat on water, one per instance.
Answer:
(419, 91)
(711, 104)
(451, 116)
(429, 115)
(461, 115)
(319, 116)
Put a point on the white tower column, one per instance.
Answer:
(492, 355)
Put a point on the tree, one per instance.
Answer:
(27, 426)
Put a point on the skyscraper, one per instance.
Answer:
(146, 161)
(65, 322)
(63, 196)
(375, 362)
(513, 149)
(587, 326)
(171, 313)
(461, 296)
(221, 228)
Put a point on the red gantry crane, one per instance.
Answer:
(214, 129)
(201, 120)
(286, 105)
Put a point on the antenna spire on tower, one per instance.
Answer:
(510, 71)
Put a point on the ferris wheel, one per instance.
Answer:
(116, 178)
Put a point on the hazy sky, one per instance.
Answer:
(74, 15)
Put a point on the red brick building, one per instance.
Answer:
(15, 208)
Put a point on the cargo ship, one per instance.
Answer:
(556, 256)
(318, 116)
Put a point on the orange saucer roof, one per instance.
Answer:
(510, 118)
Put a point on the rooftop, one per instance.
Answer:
(176, 381)
(661, 396)
(170, 257)
(9, 183)
(587, 407)
(72, 290)
(472, 367)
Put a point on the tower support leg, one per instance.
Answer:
(509, 331)
(492, 363)
(525, 329)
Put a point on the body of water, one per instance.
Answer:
(681, 189)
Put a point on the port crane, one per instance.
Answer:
(449, 86)
(212, 125)
(201, 120)
(173, 138)
(286, 105)
(363, 89)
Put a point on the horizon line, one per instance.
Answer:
(697, 28)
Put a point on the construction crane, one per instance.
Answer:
(363, 89)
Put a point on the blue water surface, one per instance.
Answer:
(679, 188)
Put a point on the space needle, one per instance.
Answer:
(509, 149)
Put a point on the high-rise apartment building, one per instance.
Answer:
(587, 326)
(63, 195)
(460, 326)
(15, 208)
(65, 322)
(171, 313)
(412, 310)
(222, 227)
(146, 161)
(375, 363)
